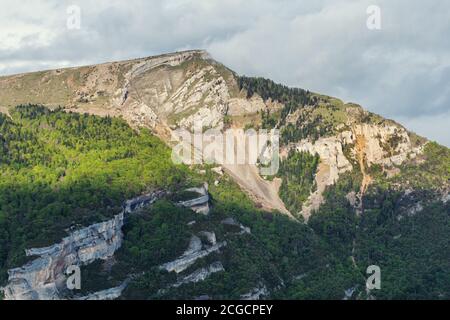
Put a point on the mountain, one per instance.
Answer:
(353, 190)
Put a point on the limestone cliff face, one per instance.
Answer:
(197, 250)
(177, 96)
(200, 274)
(256, 294)
(368, 144)
(333, 163)
(241, 106)
(385, 144)
(108, 294)
(199, 204)
(44, 277)
(331, 153)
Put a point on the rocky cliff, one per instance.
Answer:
(173, 91)
(44, 277)
(196, 251)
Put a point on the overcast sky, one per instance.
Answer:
(401, 71)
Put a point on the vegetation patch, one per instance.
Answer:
(298, 173)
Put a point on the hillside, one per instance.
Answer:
(353, 189)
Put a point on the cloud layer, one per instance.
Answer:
(401, 71)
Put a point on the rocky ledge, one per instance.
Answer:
(44, 278)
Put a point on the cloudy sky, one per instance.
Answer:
(401, 71)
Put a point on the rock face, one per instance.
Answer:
(240, 106)
(200, 204)
(333, 163)
(210, 237)
(109, 294)
(385, 144)
(195, 252)
(200, 274)
(331, 153)
(137, 203)
(186, 87)
(43, 278)
(256, 294)
(369, 144)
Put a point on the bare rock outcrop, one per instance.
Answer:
(257, 293)
(209, 236)
(200, 274)
(240, 106)
(108, 294)
(199, 204)
(333, 163)
(385, 144)
(43, 278)
(143, 201)
(331, 153)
